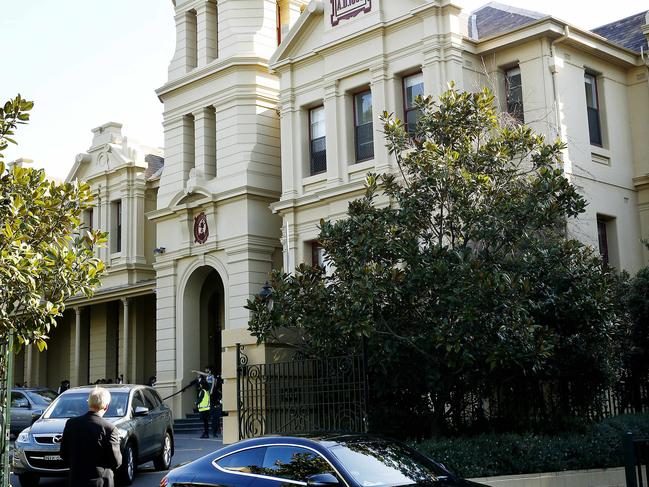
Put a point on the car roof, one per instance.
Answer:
(313, 441)
(32, 389)
(111, 387)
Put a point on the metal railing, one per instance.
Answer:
(301, 396)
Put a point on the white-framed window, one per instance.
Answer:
(514, 94)
(363, 126)
(592, 107)
(413, 86)
(317, 140)
(116, 226)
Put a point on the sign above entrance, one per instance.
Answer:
(346, 9)
(201, 230)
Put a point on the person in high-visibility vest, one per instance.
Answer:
(203, 405)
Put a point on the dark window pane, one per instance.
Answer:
(138, 401)
(246, 461)
(602, 237)
(18, 400)
(364, 141)
(318, 140)
(292, 463)
(514, 94)
(150, 400)
(594, 128)
(413, 86)
(384, 464)
(412, 116)
(318, 155)
(592, 107)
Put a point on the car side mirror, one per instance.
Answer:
(140, 411)
(322, 480)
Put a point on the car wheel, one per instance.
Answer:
(28, 480)
(127, 470)
(163, 460)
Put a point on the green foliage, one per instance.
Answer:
(45, 256)
(638, 305)
(459, 274)
(599, 446)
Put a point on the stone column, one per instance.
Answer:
(206, 32)
(126, 332)
(290, 179)
(77, 347)
(331, 130)
(205, 142)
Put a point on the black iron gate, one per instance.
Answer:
(301, 396)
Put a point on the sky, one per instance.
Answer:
(88, 62)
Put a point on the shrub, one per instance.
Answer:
(600, 446)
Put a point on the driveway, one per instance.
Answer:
(188, 448)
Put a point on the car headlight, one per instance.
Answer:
(23, 437)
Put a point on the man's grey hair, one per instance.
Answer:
(98, 398)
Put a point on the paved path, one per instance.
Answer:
(188, 448)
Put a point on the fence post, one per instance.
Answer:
(238, 368)
(630, 460)
(6, 348)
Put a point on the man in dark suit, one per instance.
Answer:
(90, 444)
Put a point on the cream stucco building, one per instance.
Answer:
(271, 121)
(112, 334)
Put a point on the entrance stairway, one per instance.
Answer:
(190, 424)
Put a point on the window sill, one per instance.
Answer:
(361, 166)
(316, 178)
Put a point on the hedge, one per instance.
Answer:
(598, 446)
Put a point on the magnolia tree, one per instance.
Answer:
(46, 257)
(460, 275)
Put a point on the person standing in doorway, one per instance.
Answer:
(90, 444)
(203, 405)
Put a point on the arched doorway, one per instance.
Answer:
(203, 321)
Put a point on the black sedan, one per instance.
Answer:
(349, 461)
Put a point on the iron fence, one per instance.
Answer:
(301, 396)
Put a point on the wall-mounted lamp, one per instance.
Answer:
(159, 250)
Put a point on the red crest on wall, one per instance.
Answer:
(346, 9)
(201, 230)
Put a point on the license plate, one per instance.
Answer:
(52, 458)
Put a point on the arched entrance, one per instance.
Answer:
(203, 321)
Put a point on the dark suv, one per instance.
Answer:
(27, 404)
(144, 422)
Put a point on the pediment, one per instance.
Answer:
(97, 162)
(305, 35)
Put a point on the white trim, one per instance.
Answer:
(268, 477)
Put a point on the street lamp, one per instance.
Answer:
(266, 294)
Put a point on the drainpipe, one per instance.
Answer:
(554, 71)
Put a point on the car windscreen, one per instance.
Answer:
(386, 463)
(76, 404)
(43, 396)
